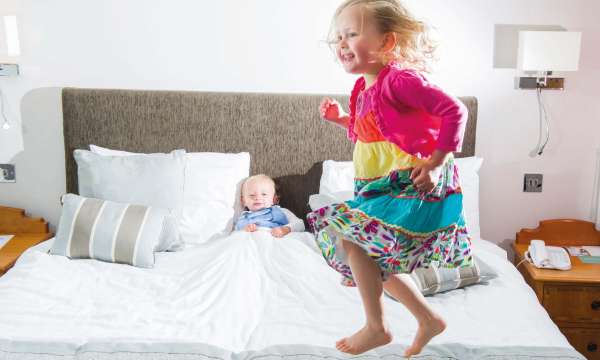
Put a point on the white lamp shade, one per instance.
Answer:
(542, 51)
(9, 39)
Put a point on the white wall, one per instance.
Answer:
(276, 46)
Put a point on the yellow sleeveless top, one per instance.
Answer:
(374, 156)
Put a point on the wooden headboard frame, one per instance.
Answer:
(283, 132)
(561, 232)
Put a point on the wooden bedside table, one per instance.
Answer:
(572, 298)
(28, 232)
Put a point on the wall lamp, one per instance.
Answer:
(9, 52)
(9, 46)
(541, 53)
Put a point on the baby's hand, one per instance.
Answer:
(280, 231)
(330, 109)
(250, 228)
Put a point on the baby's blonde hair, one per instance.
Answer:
(258, 177)
(414, 47)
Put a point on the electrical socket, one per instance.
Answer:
(7, 173)
(533, 182)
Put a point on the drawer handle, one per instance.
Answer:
(592, 347)
(596, 305)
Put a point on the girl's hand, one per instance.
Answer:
(330, 110)
(250, 228)
(279, 232)
(425, 176)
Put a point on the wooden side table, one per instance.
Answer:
(28, 232)
(572, 298)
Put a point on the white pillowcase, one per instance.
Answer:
(337, 185)
(468, 171)
(211, 192)
(155, 180)
(337, 178)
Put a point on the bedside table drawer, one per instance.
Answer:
(586, 341)
(572, 303)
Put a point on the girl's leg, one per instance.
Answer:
(401, 288)
(367, 276)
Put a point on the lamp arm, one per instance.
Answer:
(543, 120)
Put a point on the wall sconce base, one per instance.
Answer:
(9, 69)
(532, 83)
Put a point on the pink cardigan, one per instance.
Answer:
(413, 113)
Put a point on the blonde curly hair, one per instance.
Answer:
(414, 46)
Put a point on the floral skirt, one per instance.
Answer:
(397, 226)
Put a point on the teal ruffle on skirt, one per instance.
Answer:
(397, 226)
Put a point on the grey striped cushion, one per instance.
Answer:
(111, 231)
(434, 280)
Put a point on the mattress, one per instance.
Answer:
(249, 295)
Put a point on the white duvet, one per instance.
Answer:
(243, 292)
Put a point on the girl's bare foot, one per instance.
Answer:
(426, 332)
(364, 340)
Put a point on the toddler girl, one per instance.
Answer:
(407, 209)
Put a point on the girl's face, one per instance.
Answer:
(258, 194)
(358, 42)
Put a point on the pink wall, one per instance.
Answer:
(276, 46)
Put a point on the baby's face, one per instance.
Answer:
(258, 194)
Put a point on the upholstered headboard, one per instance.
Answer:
(283, 132)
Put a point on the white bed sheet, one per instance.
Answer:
(243, 292)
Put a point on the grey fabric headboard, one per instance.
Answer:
(283, 132)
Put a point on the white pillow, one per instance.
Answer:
(211, 198)
(468, 171)
(337, 183)
(337, 177)
(212, 194)
(317, 201)
(156, 180)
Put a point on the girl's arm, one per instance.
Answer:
(438, 158)
(426, 175)
(331, 111)
(342, 121)
(412, 89)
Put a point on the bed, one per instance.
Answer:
(247, 296)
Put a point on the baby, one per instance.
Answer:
(258, 198)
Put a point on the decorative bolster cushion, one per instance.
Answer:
(434, 280)
(114, 232)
